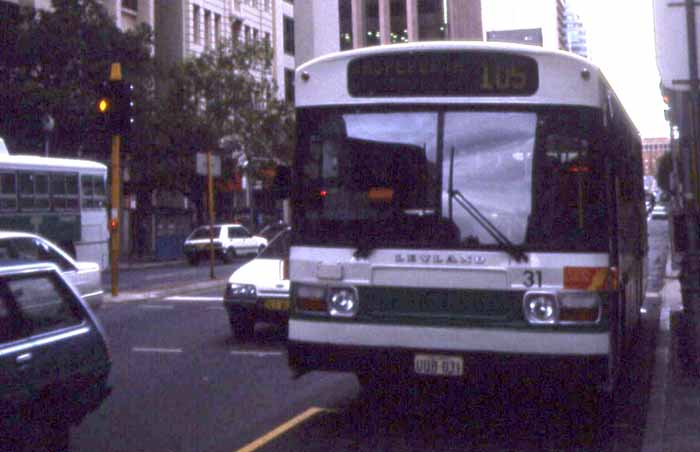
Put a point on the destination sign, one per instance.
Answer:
(448, 73)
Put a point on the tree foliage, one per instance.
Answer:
(54, 61)
(222, 100)
(664, 168)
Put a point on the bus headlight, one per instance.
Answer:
(541, 308)
(342, 302)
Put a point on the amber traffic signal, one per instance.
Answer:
(115, 106)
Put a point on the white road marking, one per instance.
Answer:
(215, 308)
(173, 275)
(257, 354)
(156, 350)
(652, 295)
(156, 306)
(193, 298)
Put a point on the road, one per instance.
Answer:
(181, 383)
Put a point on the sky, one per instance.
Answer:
(621, 42)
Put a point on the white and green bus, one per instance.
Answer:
(461, 202)
(61, 199)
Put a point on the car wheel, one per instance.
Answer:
(229, 255)
(242, 327)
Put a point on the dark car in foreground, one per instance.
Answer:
(259, 290)
(54, 359)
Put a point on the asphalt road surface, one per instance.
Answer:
(181, 383)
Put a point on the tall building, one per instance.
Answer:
(652, 149)
(186, 28)
(534, 22)
(576, 40)
(333, 25)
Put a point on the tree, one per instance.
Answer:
(57, 60)
(224, 98)
(664, 169)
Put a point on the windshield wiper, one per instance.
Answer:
(484, 222)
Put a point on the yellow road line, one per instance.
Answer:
(290, 424)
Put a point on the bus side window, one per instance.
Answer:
(8, 191)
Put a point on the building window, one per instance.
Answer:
(372, 37)
(217, 28)
(288, 30)
(267, 5)
(255, 35)
(196, 19)
(207, 28)
(267, 40)
(399, 26)
(345, 16)
(236, 26)
(247, 33)
(289, 85)
(431, 20)
(131, 4)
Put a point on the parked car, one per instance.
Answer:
(54, 359)
(660, 211)
(259, 290)
(230, 241)
(30, 248)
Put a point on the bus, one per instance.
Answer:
(458, 203)
(63, 200)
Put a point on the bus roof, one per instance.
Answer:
(564, 78)
(8, 161)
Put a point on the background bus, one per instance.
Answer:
(61, 199)
(523, 237)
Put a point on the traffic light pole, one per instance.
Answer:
(114, 220)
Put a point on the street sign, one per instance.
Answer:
(671, 33)
(202, 164)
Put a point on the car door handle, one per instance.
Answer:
(24, 358)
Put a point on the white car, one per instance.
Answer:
(22, 247)
(230, 241)
(259, 290)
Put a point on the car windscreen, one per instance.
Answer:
(278, 248)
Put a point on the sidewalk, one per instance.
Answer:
(674, 410)
(175, 289)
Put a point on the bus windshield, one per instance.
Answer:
(378, 178)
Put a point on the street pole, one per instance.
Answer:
(210, 198)
(114, 223)
(690, 269)
(115, 74)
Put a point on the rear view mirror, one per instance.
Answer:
(282, 183)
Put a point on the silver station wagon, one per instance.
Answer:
(31, 248)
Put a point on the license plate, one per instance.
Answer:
(451, 366)
(276, 304)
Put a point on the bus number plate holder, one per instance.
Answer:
(449, 366)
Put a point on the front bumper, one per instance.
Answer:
(258, 309)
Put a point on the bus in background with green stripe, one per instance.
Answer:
(61, 199)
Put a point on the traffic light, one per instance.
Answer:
(115, 106)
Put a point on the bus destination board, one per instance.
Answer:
(449, 73)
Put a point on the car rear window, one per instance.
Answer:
(203, 233)
(43, 303)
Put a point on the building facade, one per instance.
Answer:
(186, 28)
(652, 149)
(576, 39)
(333, 25)
(533, 22)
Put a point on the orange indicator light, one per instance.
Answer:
(590, 278)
